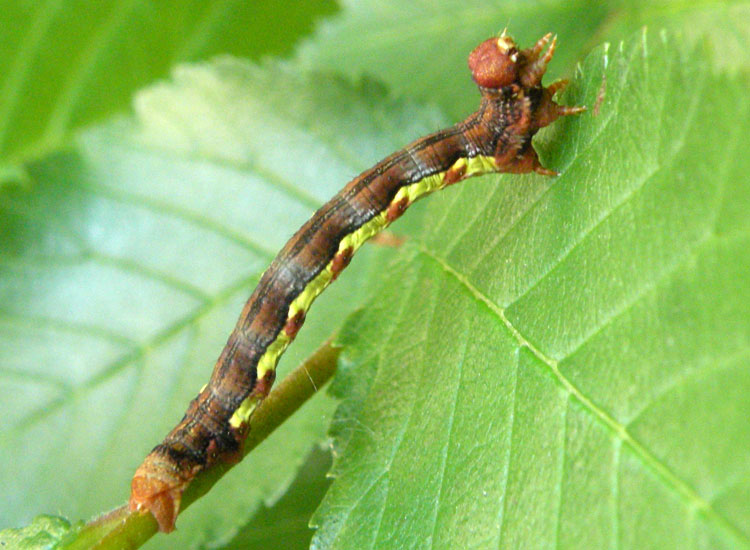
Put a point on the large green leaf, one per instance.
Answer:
(565, 363)
(67, 63)
(124, 268)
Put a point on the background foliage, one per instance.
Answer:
(545, 363)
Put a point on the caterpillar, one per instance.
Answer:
(496, 138)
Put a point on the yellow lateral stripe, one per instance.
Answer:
(268, 361)
(481, 164)
(244, 411)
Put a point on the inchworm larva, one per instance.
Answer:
(496, 138)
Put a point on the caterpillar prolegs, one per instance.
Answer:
(496, 138)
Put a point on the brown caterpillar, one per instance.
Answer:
(496, 138)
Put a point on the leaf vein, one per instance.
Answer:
(407, 291)
(506, 467)
(248, 165)
(137, 353)
(138, 268)
(617, 447)
(65, 325)
(444, 458)
(399, 440)
(638, 185)
(563, 465)
(715, 365)
(194, 218)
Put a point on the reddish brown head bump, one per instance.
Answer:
(494, 63)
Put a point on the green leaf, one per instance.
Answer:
(66, 64)
(367, 35)
(696, 20)
(287, 519)
(44, 533)
(124, 269)
(565, 363)
(431, 40)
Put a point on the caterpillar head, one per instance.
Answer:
(494, 63)
(497, 62)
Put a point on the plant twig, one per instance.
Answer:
(122, 529)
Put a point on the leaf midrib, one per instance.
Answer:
(681, 487)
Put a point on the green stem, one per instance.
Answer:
(122, 529)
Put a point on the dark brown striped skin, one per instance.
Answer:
(508, 117)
